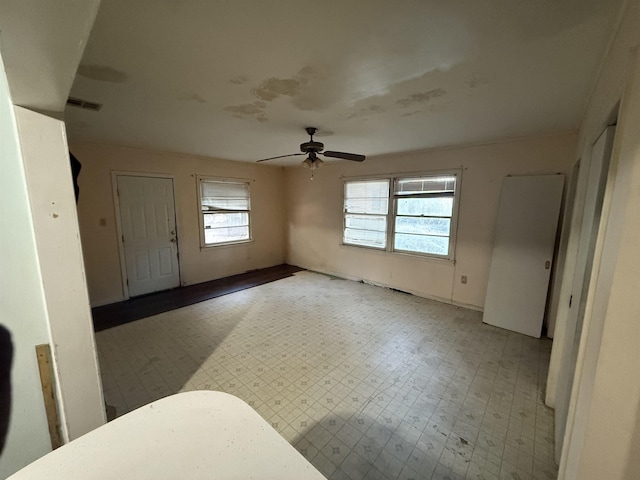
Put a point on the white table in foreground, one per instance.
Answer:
(193, 435)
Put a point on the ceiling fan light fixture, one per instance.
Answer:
(313, 148)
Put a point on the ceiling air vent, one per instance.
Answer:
(77, 102)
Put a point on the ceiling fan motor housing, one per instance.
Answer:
(312, 146)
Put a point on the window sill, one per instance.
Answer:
(380, 251)
(227, 244)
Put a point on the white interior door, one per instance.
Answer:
(523, 252)
(148, 225)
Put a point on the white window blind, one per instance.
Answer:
(217, 195)
(425, 185)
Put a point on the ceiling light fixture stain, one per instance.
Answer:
(102, 73)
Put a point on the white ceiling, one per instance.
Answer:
(241, 79)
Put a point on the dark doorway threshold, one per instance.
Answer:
(115, 314)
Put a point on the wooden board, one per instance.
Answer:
(43, 352)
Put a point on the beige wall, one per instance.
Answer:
(315, 215)
(100, 243)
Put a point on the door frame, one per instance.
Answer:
(116, 204)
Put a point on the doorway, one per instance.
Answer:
(148, 235)
(594, 180)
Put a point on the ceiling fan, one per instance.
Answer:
(313, 148)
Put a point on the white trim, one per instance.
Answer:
(116, 204)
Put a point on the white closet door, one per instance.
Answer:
(523, 252)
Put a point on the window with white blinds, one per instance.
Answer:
(225, 207)
(366, 205)
(412, 214)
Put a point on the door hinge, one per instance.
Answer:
(570, 300)
(122, 238)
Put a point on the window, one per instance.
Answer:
(420, 218)
(225, 207)
(424, 210)
(366, 205)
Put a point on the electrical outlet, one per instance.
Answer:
(463, 279)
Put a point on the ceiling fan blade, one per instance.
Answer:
(281, 156)
(345, 156)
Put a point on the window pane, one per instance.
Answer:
(226, 234)
(430, 207)
(367, 188)
(218, 220)
(366, 222)
(422, 243)
(366, 230)
(423, 225)
(366, 238)
(366, 205)
(368, 196)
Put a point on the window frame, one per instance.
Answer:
(200, 179)
(393, 208)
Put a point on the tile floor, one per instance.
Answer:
(364, 381)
